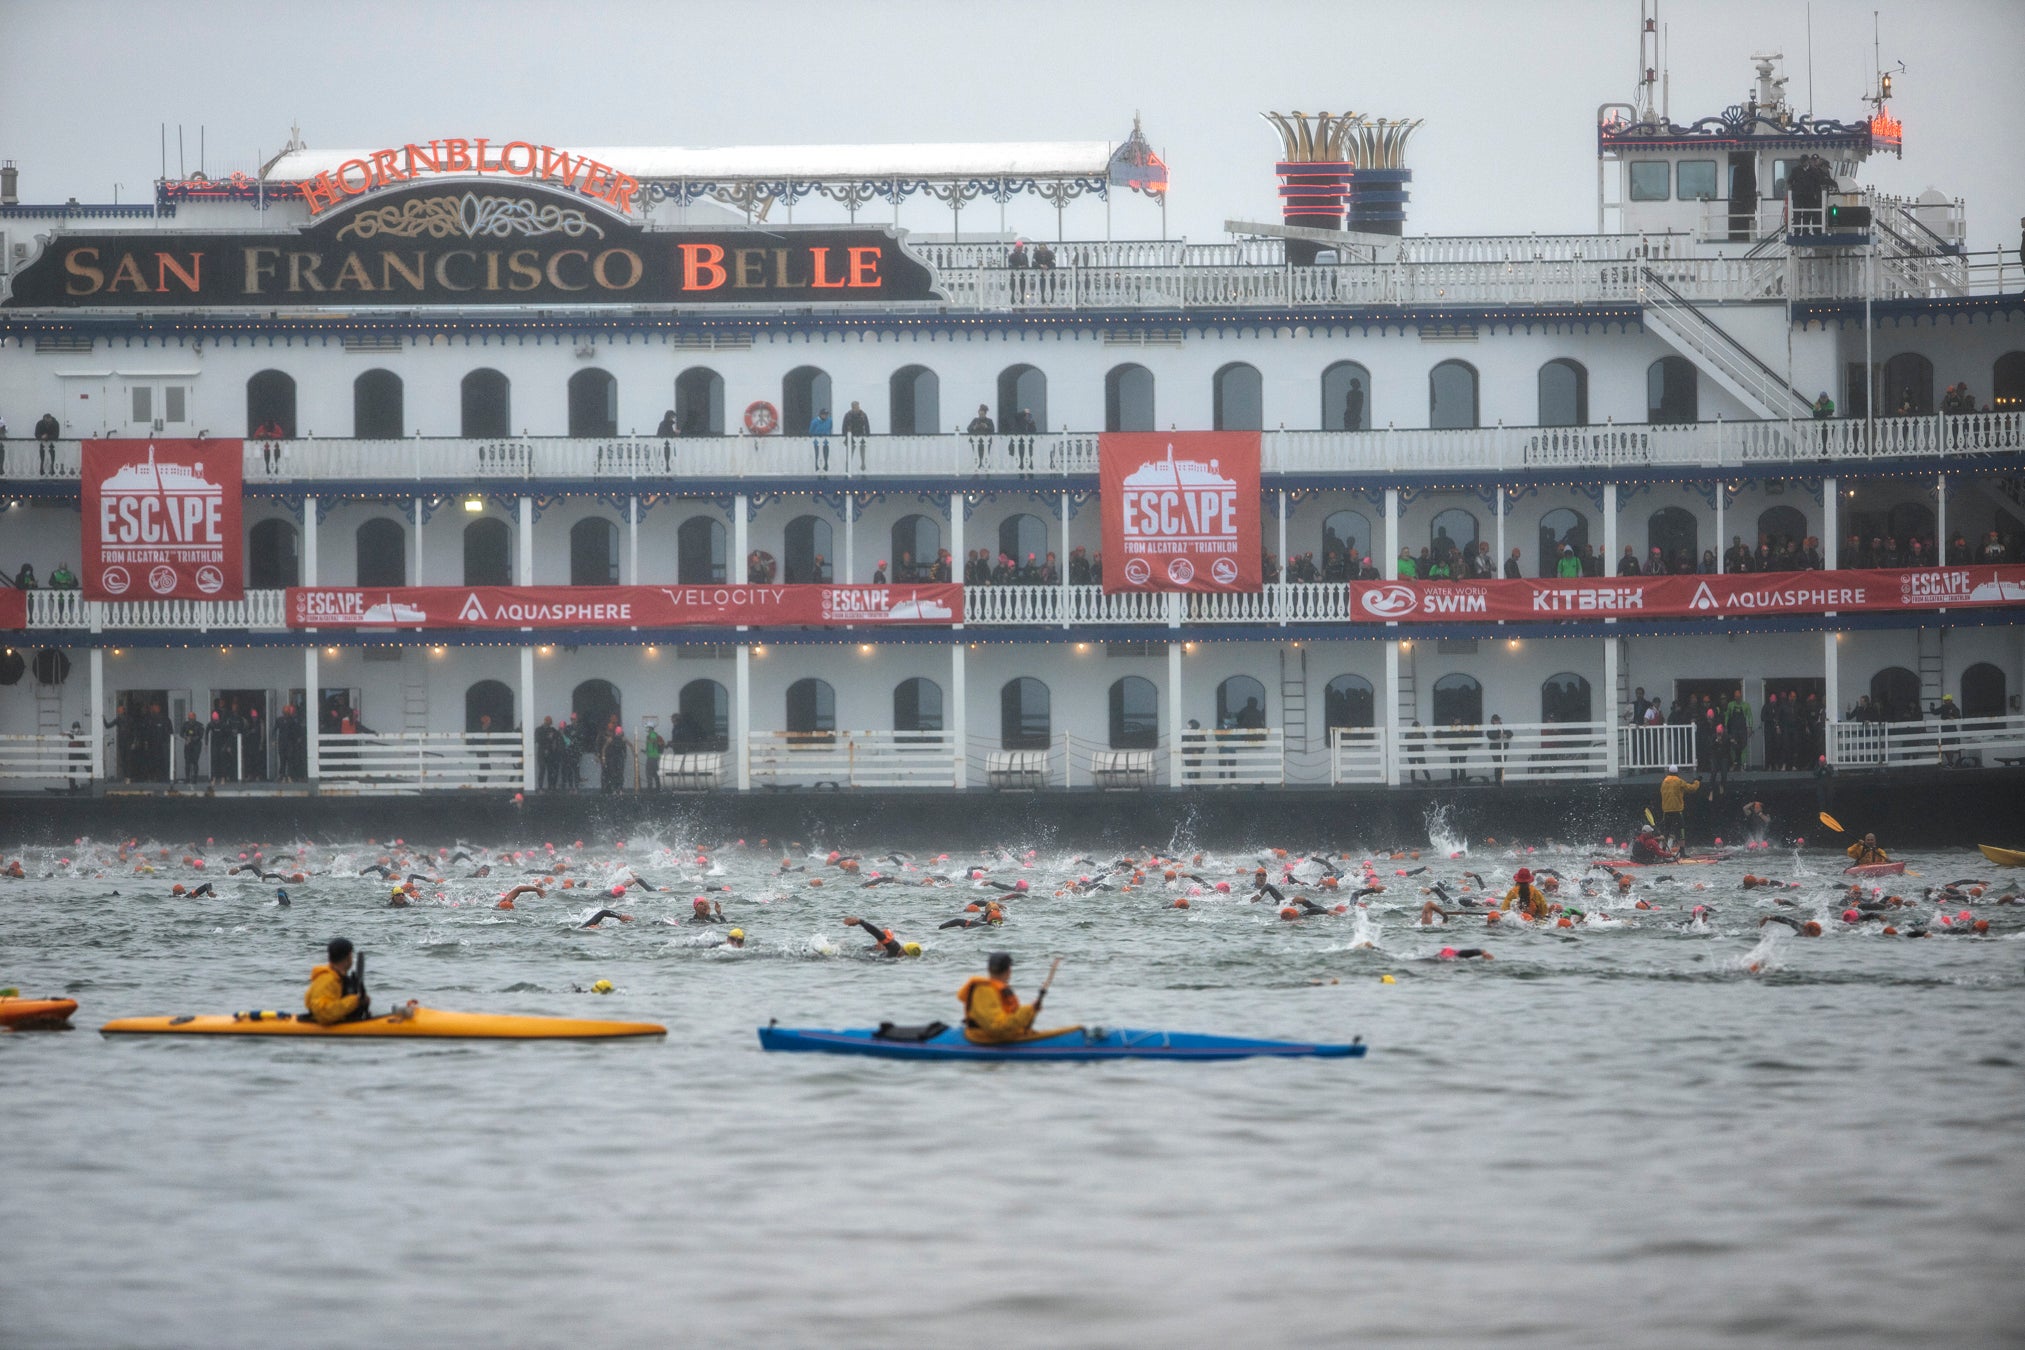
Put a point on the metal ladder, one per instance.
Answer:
(1932, 685)
(415, 707)
(49, 709)
(1409, 696)
(1294, 699)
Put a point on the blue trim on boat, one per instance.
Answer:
(1075, 1043)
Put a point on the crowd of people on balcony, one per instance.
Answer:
(62, 579)
(1795, 728)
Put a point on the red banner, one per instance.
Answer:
(1687, 597)
(1181, 510)
(161, 520)
(13, 609)
(725, 606)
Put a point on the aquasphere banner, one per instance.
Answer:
(161, 520)
(728, 605)
(1180, 510)
(1688, 597)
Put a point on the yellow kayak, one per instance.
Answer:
(2003, 857)
(425, 1023)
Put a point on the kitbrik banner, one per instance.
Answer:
(727, 606)
(1734, 595)
(1180, 510)
(161, 520)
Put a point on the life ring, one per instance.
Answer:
(762, 418)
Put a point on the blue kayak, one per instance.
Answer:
(1069, 1043)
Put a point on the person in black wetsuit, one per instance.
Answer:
(883, 941)
(604, 914)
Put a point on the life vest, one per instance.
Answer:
(1007, 999)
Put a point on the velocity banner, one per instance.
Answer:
(1688, 597)
(161, 520)
(1180, 510)
(622, 606)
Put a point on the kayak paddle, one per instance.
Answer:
(1831, 822)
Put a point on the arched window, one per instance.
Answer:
(1347, 702)
(1458, 698)
(270, 397)
(1452, 395)
(1128, 398)
(1021, 535)
(382, 553)
(917, 705)
(1908, 386)
(594, 403)
(1674, 531)
(1135, 714)
(1240, 700)
(699, 402)
(1558, 527)
(699, 551)
(1983, 691)
(1564, 394)
(1022, 387)
(596, 704)
(1909, 520)
(378, 406)
(1451, 532)
(1346, 397)
(804, 391)
(915, 401)
(1239, 399)
(488, 549)
(1023, 715)
(273, 555)
(1346, 536)
(811, 707)
(1895, 692)
(806, 541)
(594, 552)
(1672, 393)
(1565, 698)
(488, 698)
(2007, 383)
(1779, 525)
(486, 405)
(702, 721)
(917, 541)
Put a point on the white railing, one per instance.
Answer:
(45, 759)
(68, 609)
(1503, 752)
(1656, 747)
(1255, 757)
(1357, 755)
(419, 761)
(844, 759)
(1985, 741)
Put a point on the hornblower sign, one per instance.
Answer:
(465, 242)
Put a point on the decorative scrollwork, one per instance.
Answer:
(470, 216)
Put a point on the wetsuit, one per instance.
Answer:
(604, 914)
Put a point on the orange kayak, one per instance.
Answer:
(36, 1014)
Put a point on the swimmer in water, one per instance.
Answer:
(706, 911)
(883, 941)
(604, 914)
(281, 898)
(991, 917)
(519, 891)
(1811, 928)
(203, 891)
(1428, 911)
(735, 938)
(1461, 954)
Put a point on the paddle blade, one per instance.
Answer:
(1648, 817)
(1831, 822)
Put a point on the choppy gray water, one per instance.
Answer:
(1611, 1135)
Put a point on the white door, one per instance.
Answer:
(158, 407)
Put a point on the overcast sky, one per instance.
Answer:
(1509, 88)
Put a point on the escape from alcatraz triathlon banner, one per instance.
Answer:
(1689, 597)
(1180, 510)
(723, 606)
(161, 520)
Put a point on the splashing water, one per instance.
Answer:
(1762, 959)
(1442, 834)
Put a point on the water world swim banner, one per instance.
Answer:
(1688, 597)
(725, 606)
(1180, 510)
(161, 520)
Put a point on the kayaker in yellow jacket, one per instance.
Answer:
(992, 1012)
(1673, 794)
(1865, 852)
(334, 994)
(1530, 899)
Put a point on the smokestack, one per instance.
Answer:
(1314, 174)
(10, 182)
(1378, 192)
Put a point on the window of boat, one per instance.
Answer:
(1697, 180)
(1649, 180)
(1780, 169)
